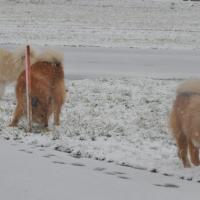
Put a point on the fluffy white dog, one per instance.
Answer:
(11, 65)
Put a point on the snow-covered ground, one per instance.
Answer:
(115, 119)
(119, 100)
(37, 173)
(105, 23)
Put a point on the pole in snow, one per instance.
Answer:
(28, 88)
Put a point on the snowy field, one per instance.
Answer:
(120, 120)
(113, 129)
(39, 173)
(105, 23)
(114, 125)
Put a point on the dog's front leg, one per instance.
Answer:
(17, 115)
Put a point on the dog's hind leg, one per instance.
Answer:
(57, 105)
(56, 110)
(194, 154)
(182, 144)
(181, 140)
(58, 100)
(17, 115)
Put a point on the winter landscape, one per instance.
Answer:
(123, 62)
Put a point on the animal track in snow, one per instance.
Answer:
(59, 162)
(49, 155)
(78, 164)
(100, 169)
(167, 185)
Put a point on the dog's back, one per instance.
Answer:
(47, 89)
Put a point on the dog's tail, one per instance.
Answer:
(189, 86)
(51, 56)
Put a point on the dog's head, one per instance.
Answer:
(41, 110)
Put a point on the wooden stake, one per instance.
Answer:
(28, 89)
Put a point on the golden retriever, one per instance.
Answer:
(185, 121)
(47, 89)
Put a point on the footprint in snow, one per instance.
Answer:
(110, 173)
(59, 162)
(24, 150)
(154, 171)
(48, 155)
(100, 169)
(119, 173)
(167, 185)
(30, 152)
(124, 177)
(115, 173)
(139, 168)
(132, 166)
(166, 174)
(78, 164)
(186, 178)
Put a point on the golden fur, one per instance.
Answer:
(185, 121)
(51, 56)
(47, 89)
(11, 65)
(192, 85)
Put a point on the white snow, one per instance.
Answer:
(120, 120)
(105, 23)
(38, 173)
(119, 101)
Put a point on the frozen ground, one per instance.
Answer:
(39, 173)
(113, 118)
(105, 23)
(118, 105)
(120, 120)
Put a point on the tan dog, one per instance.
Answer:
(47, 90)
(185, 121)
(11, 65)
